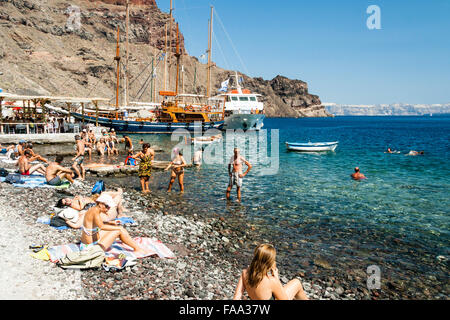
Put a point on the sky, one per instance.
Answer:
(328, 44)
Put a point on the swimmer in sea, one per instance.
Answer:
(357, 175)
(415, 153)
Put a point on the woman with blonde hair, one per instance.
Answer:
(261, 280)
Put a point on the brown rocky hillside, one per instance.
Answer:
(41, 53)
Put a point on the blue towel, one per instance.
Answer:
(126, 220)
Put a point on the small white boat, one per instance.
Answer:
(312, 146)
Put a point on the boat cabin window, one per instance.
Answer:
(243, 98)
(234, 98)
(252, 98)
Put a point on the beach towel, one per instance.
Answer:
(151, 246)
(36, 181)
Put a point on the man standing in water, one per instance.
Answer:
(235, 173)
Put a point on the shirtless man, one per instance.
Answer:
(77, 165)
(29, 146)
(357, 175)
(25, 167)
(19, 150)
(128, 143)
(55, 172)
(235, 173)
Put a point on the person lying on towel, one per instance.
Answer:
(81, 204)
(94, 231)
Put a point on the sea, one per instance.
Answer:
(323, 223)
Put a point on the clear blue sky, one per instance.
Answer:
(327, 44)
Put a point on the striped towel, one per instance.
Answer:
(151, 246)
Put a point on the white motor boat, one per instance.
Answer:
(312, 146)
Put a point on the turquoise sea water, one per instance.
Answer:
(398, 219)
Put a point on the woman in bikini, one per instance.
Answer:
(178, 164)
(261, 280)
(81, 203)
(94, 231)
(147, 155)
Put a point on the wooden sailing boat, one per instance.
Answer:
(173, 113)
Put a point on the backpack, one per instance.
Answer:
(131, 162)
(12, 178)
(58, 222)
(92, 257)
(99, 187)
(3, 172)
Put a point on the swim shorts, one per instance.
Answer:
(3, 151)
(56, 181)
(235, 180)
(79, 160)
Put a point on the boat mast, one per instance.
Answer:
(208, 90)
(165, 61)
(170, 38)
(128, 53)
(117, 58)
(178, 55)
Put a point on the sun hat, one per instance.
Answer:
(106, 199)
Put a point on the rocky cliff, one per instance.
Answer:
(55, 48)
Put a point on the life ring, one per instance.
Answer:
(208, 108)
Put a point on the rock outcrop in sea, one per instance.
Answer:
(44, 50)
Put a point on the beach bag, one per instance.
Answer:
(99, 187)
(131, 162)
(92, 257)
(3, 172)
(12, 178)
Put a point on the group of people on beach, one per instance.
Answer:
(96, 215)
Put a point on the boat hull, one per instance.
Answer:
(311, 147)
(124, 126)
(244, 122)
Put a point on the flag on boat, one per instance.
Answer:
(224, 86)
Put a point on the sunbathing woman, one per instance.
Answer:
(147, 155)
(81, 203)
(94, 231)
(261, 279)
(177, 165)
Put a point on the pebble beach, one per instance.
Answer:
(206, 264)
